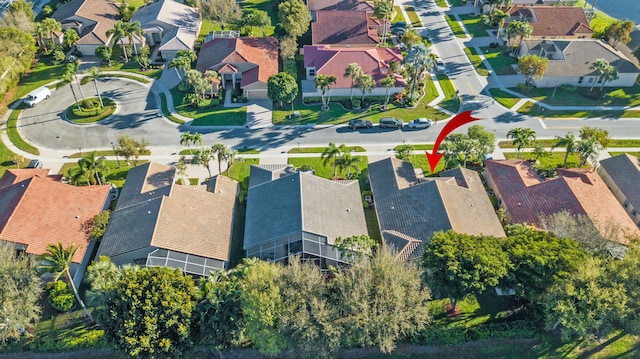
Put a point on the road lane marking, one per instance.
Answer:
(471, 89)
(544, 126)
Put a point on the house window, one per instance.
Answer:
(634, 212)
(312, 72)
(625, 204)
(581, 79)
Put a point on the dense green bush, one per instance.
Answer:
(61, 296)
(93, 338)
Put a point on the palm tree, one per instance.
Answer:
(521, 138)
(51, 26)
(600, 65)
(212, 77)
(539, 151)
(133, 29)
(219, 150)
(185, 139)
(354, 71)
(203, 157)
(324, 82)
(348, 162)
(331, 154)
(70, 38)
(57, 260)
(588, 149)
(119, 32)
(569, 143)
(610, 73)
(388, 82)
(94, 165)
(196, 138)
(230, 157)
(500, 16)
(41, 31)
(366, 84)
(419, 57)
(93, 75)
(67, 79)
(181, 168)
(382, 10)
(72, 67)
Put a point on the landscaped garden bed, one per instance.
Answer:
(90, 110)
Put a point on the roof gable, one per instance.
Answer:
(344, 28)
(552, 21)
(102, 12)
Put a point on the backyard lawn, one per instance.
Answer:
(501, 63)
(322, 170)
(476, 61)
(115, 175)
(474, 26)
(504, 98)
(217, 116)
(552, 162)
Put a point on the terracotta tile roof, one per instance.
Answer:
(102, 12)
(577, 191)
(192, 220)
(38, 210)
(334, 60)
(314, 5)
(414, 208)
(344, 28)
(13, 176)
(243, 54)
(553, 21)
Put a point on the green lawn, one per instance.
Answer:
(321, 149)
(413, 16)
(637, 154)
(133, 67)
(455, 26)
(551, 142)
(420, 161)
(264, 5)
(442, 3)
(457, 2)
(336, 114)
(41, 74)
(450, 102)
(14, 135)
(476, 61)
(399, 15)
(6, 159)
(419, 147)
(217, 116)
(532, 109)
(554, 161)
(473, 25)
(501, 64)
(320, 169)
(373, 228)
(504, 98)
(628, 96)
(115, 175)
(165, 110)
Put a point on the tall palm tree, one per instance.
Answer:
(219, 150)
(610, 73)
(51, 26)
(212, 77)
(94, 165)
(500, 17)
(348, 162)
(569, 143)
(382, 10)
(418, 56)
(57, 260)
(230, 157)
(92, 75)
(331, 154)
(366, 84)
(600, 65)
(185, 139)
(588, 149)
(324, 82)
(354, 71)
(521, 138)
(72, 67)
(203, 157)
(41, 31)
(388, 82)
(119, 33)
(196, 139)
(133, 29)
(67, 79)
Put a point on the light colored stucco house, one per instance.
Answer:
(622, 175)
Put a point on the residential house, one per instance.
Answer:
(345, 28)
(570, 62)
(329, 60)
(622, 175)
(37, 209)
(410, 207)
(552, 22)
(245, 62)
(168, 27)
(291, 212)
(91, 19)
(340, 5)
(159, 223)
(526, 197)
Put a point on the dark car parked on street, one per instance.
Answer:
(354, 124)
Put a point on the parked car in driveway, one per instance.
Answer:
(390, 122)
(355, 124)
(420, 123)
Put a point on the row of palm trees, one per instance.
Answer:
(71, 75)
(204, 155)
(340, 158)
(126, 30)
(90, 170)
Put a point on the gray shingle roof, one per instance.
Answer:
(302, 202)
(182, 23)
(624, 171)
(408, 207)
(148, 181)
(268, 172)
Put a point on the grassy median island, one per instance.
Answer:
(90, 110)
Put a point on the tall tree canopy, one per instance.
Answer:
(294, 17)
(282, 88)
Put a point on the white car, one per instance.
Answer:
(439, 65)
(420, 123)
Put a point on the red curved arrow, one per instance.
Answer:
(457, 121)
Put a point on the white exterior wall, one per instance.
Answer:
(87, 50)
(625, 80)
(378, 91)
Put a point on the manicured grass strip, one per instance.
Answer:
(320, 169)
(551, 142)
(321, 149)
(130, 77)
(211, 116)
(373, 228)
(450, 102)
(165, 110)
(532, 109)
(455, 26)
(637, 154)
(399, 15)
(6, 159)
(476, 61)
(583, 96)
(457, 2)
(501, 63)
(504, 98)
(101, 153)
(442, 3)
(248, 151)
(420, 147)
(413, 16)
(473, 25)
(14, 135)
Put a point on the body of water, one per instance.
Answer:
(620, 9)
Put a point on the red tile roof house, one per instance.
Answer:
(345, 28)
(342, 5)
(329, 60)
(526, 197)
(91, 19)
(552, 22)
(245, 62)
(37, 210)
